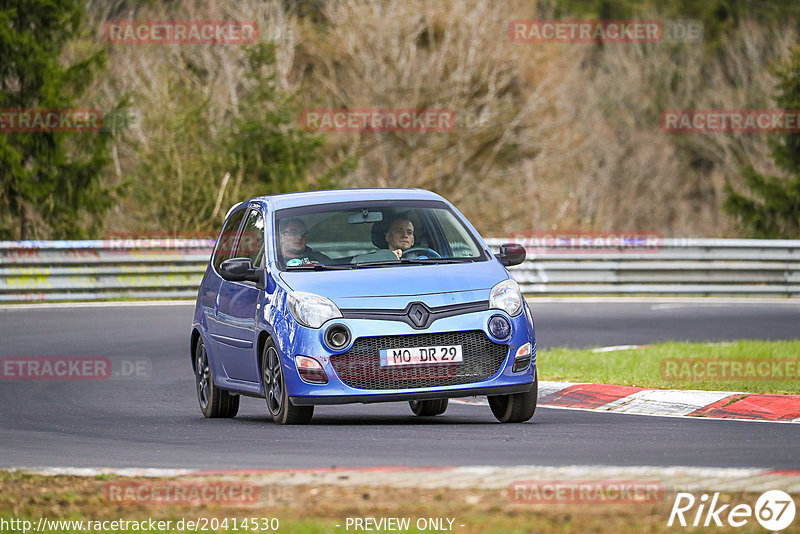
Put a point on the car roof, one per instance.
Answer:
(306, 198)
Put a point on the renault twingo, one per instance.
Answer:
(360, 296)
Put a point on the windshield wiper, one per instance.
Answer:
(416, 261)
(379, 263)
(317, 267)
(441, 260)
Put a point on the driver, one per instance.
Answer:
(400, 236)
(294, 249)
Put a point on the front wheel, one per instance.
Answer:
(214, 402)
(428, 407)
(516, 408)
(280, 407)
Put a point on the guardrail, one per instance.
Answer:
(99, 270)
(685, 266)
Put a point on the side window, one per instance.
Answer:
(459, 240)
(251, 243)
(227, 238)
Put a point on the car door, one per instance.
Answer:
(208, 295)
(239, 303)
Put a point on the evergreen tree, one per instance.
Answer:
(274, 155)
(49, 181)
(772, 210)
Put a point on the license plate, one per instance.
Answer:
(421, 355)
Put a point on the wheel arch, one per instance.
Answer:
(193, 348)
(263, 336)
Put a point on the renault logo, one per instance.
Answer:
(419, 314)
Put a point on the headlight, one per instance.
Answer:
(507, 297)
(311, 310)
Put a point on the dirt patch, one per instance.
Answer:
(318, 509)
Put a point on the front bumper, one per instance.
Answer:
(367, 398)
(341, 389)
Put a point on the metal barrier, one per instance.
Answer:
(100, 270)
(676, 266)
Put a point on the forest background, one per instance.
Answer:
(548, 136)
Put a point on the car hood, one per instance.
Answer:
(455, 282)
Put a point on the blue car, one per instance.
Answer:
(360, 296)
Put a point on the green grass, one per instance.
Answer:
(666, 365)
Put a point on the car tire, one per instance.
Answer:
(280, 407)
(214, 402)
(516, 408)
(428, 407)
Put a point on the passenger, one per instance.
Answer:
(293, 249)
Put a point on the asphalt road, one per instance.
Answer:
(152, 420)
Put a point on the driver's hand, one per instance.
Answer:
(398, 253)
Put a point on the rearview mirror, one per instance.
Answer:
(365, 216)
(511, 254)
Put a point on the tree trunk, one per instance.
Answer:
(24, 222)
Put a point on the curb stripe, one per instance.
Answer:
(770, 407)
(588, 395)
(671, 402)
(665, 401)
(321, 470)
(714, 406)
(548, 388)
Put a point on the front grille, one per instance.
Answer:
(413, 317)
(360, 366)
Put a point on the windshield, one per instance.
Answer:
(372, 234)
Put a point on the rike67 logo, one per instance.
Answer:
(774, 510)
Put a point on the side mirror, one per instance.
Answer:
(511, 254)
(241, 270)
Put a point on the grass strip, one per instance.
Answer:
(308, 509)
(746, 366)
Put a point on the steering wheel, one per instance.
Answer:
(419, 252)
